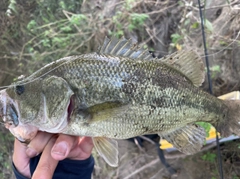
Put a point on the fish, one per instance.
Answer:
(118, 92)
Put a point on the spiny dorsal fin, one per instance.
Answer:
(188, 139)
(124, 48)
(189, 63)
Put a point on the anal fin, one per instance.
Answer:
(108, 149)
(188, 139)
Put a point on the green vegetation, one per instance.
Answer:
(206, 126)
(210, 157)
(215, 70)
(6, 139)
(135, 21)
(50, 30)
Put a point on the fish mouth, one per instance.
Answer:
(8, 111)
(12, 117)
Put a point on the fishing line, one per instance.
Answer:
(24, 83)
(210, 84)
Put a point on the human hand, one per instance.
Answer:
(53, 148)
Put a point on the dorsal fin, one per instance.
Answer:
(124, 48)
(189, 64)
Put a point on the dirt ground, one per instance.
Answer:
(136, 163)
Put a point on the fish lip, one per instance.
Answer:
(8, 110)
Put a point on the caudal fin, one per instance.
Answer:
(231, 123)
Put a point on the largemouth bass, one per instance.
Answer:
(118, 93)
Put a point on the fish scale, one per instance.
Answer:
(157, 92)
(103, 82)
(118, 93)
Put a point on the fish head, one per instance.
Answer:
(16, 112)
(43, 104)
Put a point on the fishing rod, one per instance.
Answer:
(210, 83)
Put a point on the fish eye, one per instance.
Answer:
(20, 89)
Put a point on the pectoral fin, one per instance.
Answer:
(108, 149)
(188, 139)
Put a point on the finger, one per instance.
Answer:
(38, 143)
(20, 158)
(19, 151)
(62, 146)
(47, 164)
(83, 149)
(87, 145)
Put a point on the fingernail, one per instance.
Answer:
(60, 148)
(31, 152)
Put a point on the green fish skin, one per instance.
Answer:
(118, 93)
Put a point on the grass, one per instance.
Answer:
(6, 148)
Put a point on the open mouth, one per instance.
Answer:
(8, 112)
(13, 116)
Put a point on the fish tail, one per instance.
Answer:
(231, 123)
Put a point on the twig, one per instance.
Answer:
(225, 47)
(143, 168)
(162, 10)
(21, 53)
(147, 139)
(66, 13)
(9, 73)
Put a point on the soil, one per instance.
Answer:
(139, 163)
